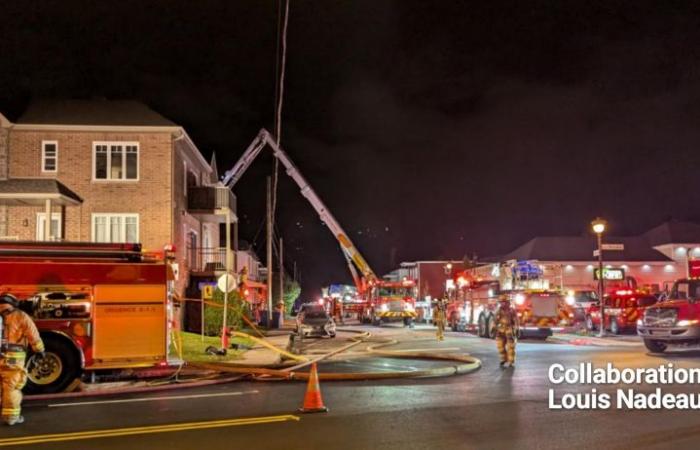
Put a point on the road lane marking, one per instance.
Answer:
(116, 432)
(152, 399)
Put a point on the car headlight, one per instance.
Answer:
(686, 323)
(570, 300)
(384, 307)
(640, 322)
(519, 299)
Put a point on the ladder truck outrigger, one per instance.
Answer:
(384, 301)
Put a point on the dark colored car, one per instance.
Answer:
(314, 320)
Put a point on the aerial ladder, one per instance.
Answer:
(355, 260)
(377, 307)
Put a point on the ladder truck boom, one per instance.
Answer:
(263, 139)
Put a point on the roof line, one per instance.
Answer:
(63, 127)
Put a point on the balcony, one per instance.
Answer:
(210, 261)
(211, 203)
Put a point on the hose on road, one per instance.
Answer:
(465, 364)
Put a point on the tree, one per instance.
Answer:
(213, 315)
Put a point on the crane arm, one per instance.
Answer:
(264, 138)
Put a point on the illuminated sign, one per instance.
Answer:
(610, 274)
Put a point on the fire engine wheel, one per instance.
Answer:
(614, 326)
(492, 327)
(655, 346)
(56, 371)
(590, 326)
(482, 326)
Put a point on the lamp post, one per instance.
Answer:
(598, 226)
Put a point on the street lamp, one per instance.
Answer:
(599, 226)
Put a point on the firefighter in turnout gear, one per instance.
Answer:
(506, 331)
(18, 331)
(440, 319)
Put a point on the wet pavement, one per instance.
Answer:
(491, 408)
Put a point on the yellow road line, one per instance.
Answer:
(143, 430)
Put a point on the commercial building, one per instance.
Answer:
(653, 259)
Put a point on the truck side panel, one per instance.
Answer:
(130, 323)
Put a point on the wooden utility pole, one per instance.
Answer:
(282, 275)
(269, 253)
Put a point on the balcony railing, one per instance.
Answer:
(206, 259)
(209, 199)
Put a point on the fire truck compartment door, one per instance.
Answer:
(544, 306)
(130, 322)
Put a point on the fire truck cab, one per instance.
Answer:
(97, 307)
(391, 301)
(675, 321)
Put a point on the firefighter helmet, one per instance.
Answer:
(9, 299)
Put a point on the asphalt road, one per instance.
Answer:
(491, 409)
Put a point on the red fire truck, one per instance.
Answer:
(473, 302)
(391, 301)
(623, 308)
(97, 307)
(674, 321)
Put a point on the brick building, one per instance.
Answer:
(111, 171)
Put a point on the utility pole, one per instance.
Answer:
(269, 253)
(281, 279)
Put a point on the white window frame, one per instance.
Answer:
(109, 145)
(42, 216)
(108, 216)
(43, 156)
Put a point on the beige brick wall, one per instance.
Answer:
(149, 197)
(158, 197)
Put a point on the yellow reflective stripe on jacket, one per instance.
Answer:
(15, 355)
(11, 411)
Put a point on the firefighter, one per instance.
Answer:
(18, 331)
(440, 319)
(506, 331)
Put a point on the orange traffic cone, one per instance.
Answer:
(312, 400)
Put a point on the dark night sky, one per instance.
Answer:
(431, 129)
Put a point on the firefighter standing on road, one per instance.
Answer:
(440, 319)
(506, 331)
(18, 331)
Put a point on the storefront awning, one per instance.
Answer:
(35, 192)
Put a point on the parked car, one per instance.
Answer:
(314, 320)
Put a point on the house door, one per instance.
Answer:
(55, 231)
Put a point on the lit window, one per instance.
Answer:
(115, 228)
(49, 156)
(115, 161)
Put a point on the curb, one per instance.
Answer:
(592, 341)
